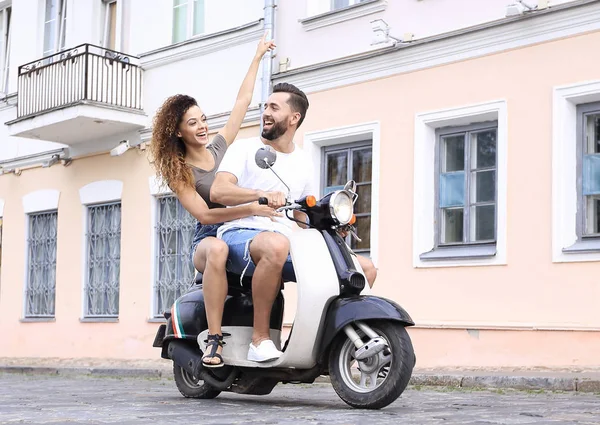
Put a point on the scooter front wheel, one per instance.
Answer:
(376, 381)
(192, 387)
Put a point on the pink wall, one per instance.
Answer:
(529, 290)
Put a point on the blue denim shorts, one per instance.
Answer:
(239, 260)
(203, 231)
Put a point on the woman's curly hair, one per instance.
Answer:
(166, 148)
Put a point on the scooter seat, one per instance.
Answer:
(233, 281)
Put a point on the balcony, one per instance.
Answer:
(79, 95)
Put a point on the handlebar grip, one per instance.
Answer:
(263, 201)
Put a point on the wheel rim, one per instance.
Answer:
(366, 375)
(189, 380)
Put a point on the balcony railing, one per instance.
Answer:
(86, 73)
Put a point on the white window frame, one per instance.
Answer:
(61, 28)
(313, 143)
(565, 244)
(190, 20)
(45, 200)
(98, 192)
(424, 204)
(5, 46)
(118, 24)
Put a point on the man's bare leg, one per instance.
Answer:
(269, 252)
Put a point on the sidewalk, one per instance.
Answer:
(579, 380)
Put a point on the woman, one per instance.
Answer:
(185, 161)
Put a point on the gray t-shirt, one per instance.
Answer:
(205, 178)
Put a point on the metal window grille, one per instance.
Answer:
(41, 265)
(103, 260)
(175, 270)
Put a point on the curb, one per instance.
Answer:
(83, 371)
(573, 384)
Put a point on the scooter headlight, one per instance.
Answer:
(341, 207)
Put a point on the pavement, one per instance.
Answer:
(578, 380)
(91, 400)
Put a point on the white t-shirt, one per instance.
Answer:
(295, 169)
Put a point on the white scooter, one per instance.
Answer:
(359, 340)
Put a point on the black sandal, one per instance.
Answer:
(214, 341)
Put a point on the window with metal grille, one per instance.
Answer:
(103, 260)
(41, 265)
(352, 162)
(174, 267)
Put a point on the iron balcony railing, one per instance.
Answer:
(86, 73)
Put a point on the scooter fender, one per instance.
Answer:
(343, 311)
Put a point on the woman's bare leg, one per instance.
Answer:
(209, 259)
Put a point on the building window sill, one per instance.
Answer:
(344, 14)
(38, 319)
(99, 320)
(157, 320)
(463, 252)
(583, 246)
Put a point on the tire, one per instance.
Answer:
(190, 387)
(399, 362)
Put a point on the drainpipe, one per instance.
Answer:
(269, 25)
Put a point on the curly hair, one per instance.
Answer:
(166, 148)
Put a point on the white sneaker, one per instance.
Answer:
(265, 351)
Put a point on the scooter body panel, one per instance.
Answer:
(187, 318)
(317, 284)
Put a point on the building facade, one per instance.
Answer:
(473, 134)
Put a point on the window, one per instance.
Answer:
(103, 243)
(188, 19)
(339, 4)
(466, 185)
(453, 203)
(174, 268)
(342, 163)
(109, 32)
(588, 164)
(41, 265)
(54, 26)
(5, 21)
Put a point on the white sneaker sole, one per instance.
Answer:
(254, 358)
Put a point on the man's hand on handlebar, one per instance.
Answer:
(274, 199)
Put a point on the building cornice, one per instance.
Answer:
(550, 24)
(199, 46)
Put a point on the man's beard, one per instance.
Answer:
(276, 131)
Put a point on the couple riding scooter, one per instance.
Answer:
(359, 340)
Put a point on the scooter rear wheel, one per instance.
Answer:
(376, 381)
(192, 387)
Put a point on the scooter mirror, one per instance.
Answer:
(350, 186)
(265, 157)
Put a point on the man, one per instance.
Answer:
(259, 246)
